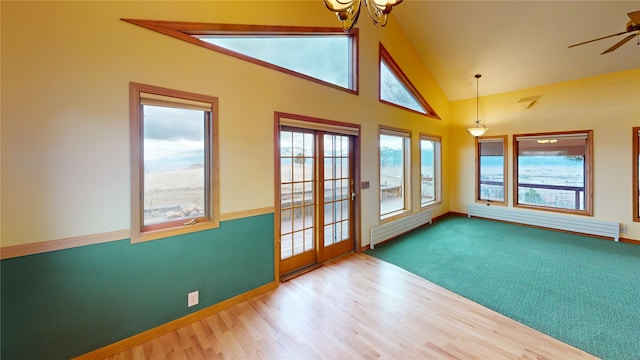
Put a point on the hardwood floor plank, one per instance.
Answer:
(356, 307)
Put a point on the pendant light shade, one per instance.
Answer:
(478, 128)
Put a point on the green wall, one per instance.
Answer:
(66, 303)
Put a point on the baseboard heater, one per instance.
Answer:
(400, 226)
(578, 224)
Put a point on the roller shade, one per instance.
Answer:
(168, 101)
(430, 138)
(312, 125)
(395, 132)
(553, 145)
(492, 147)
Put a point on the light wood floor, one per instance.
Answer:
(356, 307)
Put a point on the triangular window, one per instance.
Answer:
(397, 90)
(323, 55)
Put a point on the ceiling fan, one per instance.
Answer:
(633, 27)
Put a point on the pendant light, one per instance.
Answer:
(478, 128)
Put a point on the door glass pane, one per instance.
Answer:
(345, 230)
(346, 209)
(329, 147)
(308, 192)
(345, 146)
(328, 168)
(286, 246)
(328, 235)
(298, 242)
(308, 240)
(286, 176)
(328, 213)
(344, 170)
(308, 145)
(308, 169)
(345, 189)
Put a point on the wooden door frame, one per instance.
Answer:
(313, 123)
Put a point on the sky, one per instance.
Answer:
(322, 57)
(170, 131)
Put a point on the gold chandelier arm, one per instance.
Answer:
(340, 5)
(379, 10)
(347, 11)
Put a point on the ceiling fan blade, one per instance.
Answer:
(619, 43)
(604, 37)
(635, 17)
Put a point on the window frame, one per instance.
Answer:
(635, 158)
(406, 181)
(478, 195)
(588, 171)
(139, 232)
(385, 56)
(437, 170)
(189, 32)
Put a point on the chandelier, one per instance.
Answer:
(348, 11)
(478, 128)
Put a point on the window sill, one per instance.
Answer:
(430, 204)
(558, 210)
(173, 231)
(394, 215)
(491, 202)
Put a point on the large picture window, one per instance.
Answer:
(173, 157)
(430, 165)
(553, 171)
(491, 167)
(394, 172)
(326, 56)
(636, 174)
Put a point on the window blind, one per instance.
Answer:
(168, 101)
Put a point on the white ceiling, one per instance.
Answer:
(515, 44)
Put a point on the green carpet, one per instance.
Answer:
(581, 290)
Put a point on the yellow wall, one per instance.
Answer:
(607, 104)
(66, 67)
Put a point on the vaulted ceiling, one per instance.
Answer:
(515, 44)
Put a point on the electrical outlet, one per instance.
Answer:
(623, 228)
(192, 298)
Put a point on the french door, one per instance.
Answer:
(316, 197)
